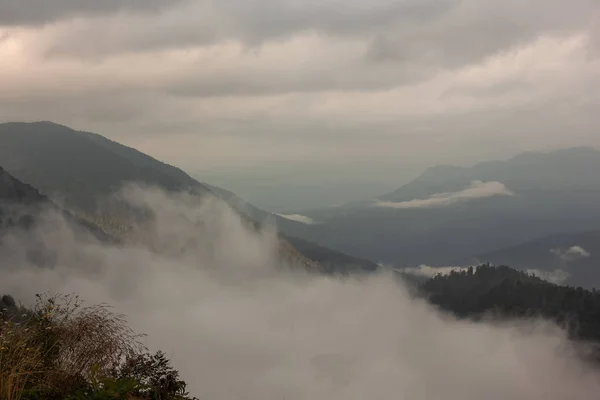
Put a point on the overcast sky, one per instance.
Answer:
(365, 90)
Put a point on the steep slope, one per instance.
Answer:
(332, 261)
(243, 206)
(450, 213)
(577, 255)
(19, 203)
(22, 208)
(80, 167)
(81, 170)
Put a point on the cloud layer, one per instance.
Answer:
(477, 190)
(211, 293)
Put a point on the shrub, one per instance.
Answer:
(63, 350)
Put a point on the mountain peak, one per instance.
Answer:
(43, 123)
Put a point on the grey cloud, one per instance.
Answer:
(266, 19)
(432, 33)
(473, 30)
(34, 12)
(405, 41)
(357, 78)
(511, 86)
(595, 36)
(251, 22)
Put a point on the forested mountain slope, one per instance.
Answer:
(503, 292)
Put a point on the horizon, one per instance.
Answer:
(276, 199)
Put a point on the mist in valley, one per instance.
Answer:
(238, 322)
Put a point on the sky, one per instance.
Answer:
(336, 100)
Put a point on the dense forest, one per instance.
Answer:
(503, 292)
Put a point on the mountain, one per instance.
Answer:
(571, 258)
(527, 172)
(79, 170)
(80, 167)
(450, 213)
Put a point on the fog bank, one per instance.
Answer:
(210, 291)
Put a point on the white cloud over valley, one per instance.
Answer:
(298, 218)
(477, 190)
(571, 254)
(426, 271)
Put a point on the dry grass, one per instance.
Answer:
(54, 348)
(21, 362)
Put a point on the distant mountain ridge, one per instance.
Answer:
(450, 213)
(81, 169)
(80, 166)
(549, 171)
(577, 255)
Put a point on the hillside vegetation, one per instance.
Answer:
(61, 349)
(503, 292)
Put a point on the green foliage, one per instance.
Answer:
(106, 388)
(159, 381)
(508, 293)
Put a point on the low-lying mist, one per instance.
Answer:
(210, 291)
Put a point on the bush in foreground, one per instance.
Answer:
(62, 349)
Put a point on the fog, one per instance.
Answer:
(212, 292)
